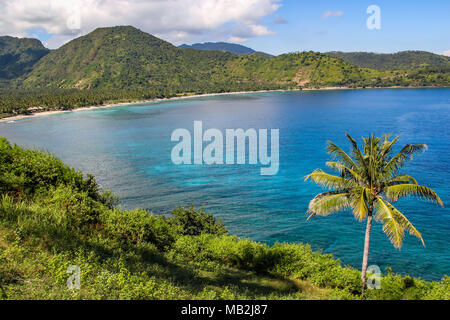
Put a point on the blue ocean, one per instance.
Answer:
(128, 149)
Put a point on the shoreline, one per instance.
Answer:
(118, 104)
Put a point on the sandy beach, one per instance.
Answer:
(45, 113)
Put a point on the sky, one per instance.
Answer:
(272, 26)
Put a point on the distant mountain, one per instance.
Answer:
(18, 56)
(225, 47)
(127, 58)
(403, 60)
(219, 46)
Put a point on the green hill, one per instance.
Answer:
(18, 56)
(53, 217)
(403, 60)
(124, 64)
(125, 57)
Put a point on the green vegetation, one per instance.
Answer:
(18, 56)
(403, 60)
(52, 217)
(124, 64)
(366, 183)
(125, 57)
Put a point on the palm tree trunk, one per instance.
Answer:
(366, 248)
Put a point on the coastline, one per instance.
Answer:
(118, 104)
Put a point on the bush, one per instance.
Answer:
(24, 172)
(138, 226)
(74, 206)
(192, 222)
(396, 287)
(439, 290)
(299, 261)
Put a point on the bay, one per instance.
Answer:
(128, 150)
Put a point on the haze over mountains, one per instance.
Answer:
(226, 47)
(219, 46)
(125, 57)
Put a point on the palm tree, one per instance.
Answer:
(368, 181)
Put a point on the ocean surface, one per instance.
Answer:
(128, 149)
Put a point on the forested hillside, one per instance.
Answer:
(125, 64)
(403, 60)
(18, 56)
(125, 57)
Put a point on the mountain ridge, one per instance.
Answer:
(18, 56)
(125, 64)
(219, 46)
(125, 57)
(409, 60)
(226, 47)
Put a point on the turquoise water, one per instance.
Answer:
(128, 150)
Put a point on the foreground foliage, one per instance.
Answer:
(52, 217)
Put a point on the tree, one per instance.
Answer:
(368, 181)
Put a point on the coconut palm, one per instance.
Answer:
(368, 182)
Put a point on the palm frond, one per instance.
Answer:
(328, 202)
(343, 170)
(357, 153)
(386, 146)
(395, 192)
(359, 202)
(328, 180)
(401, 179)
(340, 155)
(394, 223)
(397, 161)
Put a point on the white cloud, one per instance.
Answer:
(174, 20)
(251, 30)
(446, 53)
(236, 39)
(327, 14)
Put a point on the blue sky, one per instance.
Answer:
(273, 26)
(405, 25)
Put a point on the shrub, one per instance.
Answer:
(139, 225)
(26, 171)
(192, 222)
(439, 290)
(299, 261)
(76, 207)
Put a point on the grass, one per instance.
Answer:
(53, 217)
(31, 271)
